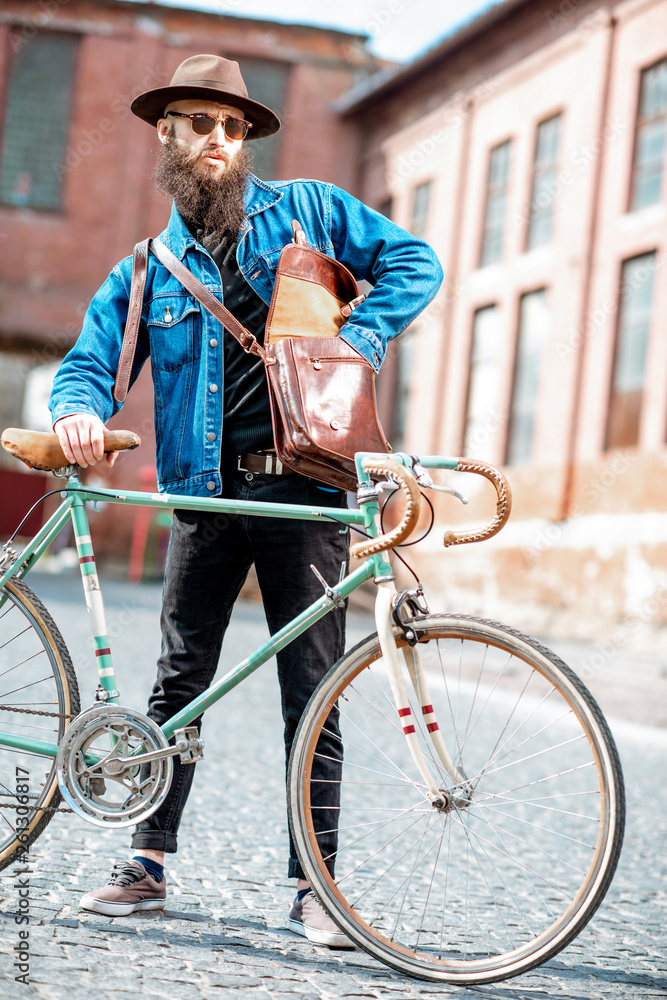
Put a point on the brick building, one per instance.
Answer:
(529, 150)
(76, 190)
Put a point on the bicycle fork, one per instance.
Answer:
(440, 798)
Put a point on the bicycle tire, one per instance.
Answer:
(491, 888)
(32, 648)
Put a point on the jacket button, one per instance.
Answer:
(210, 486)
(334, 425)
(211, 436)
(213, 342)
(213, 387)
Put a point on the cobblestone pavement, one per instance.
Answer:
(229, 896)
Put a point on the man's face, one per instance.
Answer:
(211, 154)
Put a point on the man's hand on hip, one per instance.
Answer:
(81, 437)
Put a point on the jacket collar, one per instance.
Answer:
(258, 196)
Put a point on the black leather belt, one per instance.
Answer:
(263, 464)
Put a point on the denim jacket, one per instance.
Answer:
(184, 340)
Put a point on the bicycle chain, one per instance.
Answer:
(35, 711)
(42, 809)
(7, 795)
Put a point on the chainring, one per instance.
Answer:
(105, 791)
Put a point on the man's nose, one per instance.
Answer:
(217, 137)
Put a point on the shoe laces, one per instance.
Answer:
(125, 873)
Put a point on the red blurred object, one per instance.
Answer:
(146, 518)
(18, 492)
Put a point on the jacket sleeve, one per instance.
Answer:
(405, 273)
(85, 380)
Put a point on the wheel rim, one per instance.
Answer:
(488, 890)
(32, 675)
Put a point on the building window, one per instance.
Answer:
(405, 346)
(386, 207)
(496, 199)
(533, 332)
(266, 81)
(631, 345)
(483, 418)
(421, 199)
(36, 121)
(650, 138)
(544, 183)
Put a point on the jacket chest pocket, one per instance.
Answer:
(174, 328)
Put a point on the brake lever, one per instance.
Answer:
(424, 479)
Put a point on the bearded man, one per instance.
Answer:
(213, 424)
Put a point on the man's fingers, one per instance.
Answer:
(66, 443)
(97, 441)
(82, 439)
(81, 447)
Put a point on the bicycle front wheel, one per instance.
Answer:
(508, 869)
(39, 696)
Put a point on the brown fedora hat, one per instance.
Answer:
(213, 79)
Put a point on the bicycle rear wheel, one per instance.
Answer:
(39, 696)
(485, 888)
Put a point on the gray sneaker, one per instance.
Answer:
(308, 918)
(130, 888)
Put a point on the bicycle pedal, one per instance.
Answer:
(189, 744)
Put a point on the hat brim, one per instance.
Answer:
(150, 106)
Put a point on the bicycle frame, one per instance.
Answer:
(73, 507)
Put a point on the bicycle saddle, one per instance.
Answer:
(41, 449)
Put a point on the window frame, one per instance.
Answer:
(557, 113)
(477, 309)
(547, 290)
(481, 262)
(630, 206)
(78, 38)
(607, 445)
(429, 183)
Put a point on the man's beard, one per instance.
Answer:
(207, 200)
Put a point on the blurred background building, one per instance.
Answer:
(528, 149)
(76, 185)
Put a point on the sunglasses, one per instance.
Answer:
(234, 128)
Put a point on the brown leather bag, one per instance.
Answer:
(322, 391)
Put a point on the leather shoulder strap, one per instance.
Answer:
(130, 337)
(245, 338)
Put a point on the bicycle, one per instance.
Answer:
(481, 806)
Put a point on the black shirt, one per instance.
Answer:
(246, 423)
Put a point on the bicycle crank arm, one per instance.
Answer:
(189, 745)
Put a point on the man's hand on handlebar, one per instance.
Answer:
(81, 437)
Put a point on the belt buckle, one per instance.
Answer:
(276, 465)
(272, 464)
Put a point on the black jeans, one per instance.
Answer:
(207, 563)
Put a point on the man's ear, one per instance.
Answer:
(163, 129)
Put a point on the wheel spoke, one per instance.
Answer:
(503, 870)
(38, 675)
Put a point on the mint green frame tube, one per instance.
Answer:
(73, 506)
